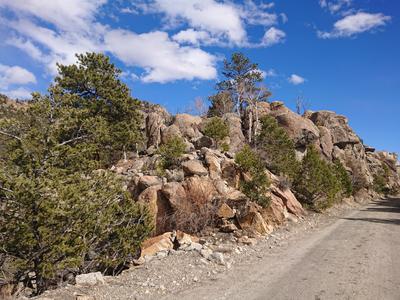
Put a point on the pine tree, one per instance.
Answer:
(57, 209)
(277, 148)
(257, 185)
(217, 129)
(242, 77)
(317, 184)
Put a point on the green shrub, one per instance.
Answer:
(225, 147)
(277, 148)
(344, 178)
(317, 184)
(381, 179)
(50, 224)
(217, 129)
(171, 152)
(257, 185)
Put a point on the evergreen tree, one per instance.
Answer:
(316, 185)
(57, 209)
(277, 149)
(242, 77)
(344, 178)
(217, 129)
(257, 185)
(93, 84)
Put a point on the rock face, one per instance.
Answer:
(210, 176)
(338, 141)
(301, 130)
(188, 125)
(338, 126)
(236, 137)
(154, 124)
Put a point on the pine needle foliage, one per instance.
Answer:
(257, 185)
(317, 184)
(277, 149)
(57, 209)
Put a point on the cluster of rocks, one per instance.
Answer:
(204, 168)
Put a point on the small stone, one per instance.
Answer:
(225, 211)
(89, 279)
(84, 297)
(227, 228)
(218, 258)
(162, 254)
(195, 279)
(206, 253)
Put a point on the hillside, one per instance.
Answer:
(93, 180)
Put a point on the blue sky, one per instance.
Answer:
(340, 55)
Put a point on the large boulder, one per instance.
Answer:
(158, 206)
(154, 245)
(199, 187)
(230, 172)
(174, 193)
(154, 124)
(148, 181)
(276, 212)
(214, 164)
(236, 137)
(341, 132)
(289, 200)
(188, 125)
(194, 167)
(300, 129)
(169, 132)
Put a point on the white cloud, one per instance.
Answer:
(221, 23)
(354, 24)
(54, 31)
(296, 79)
(19, 93)
(65, 15)
(193, 37)
(163, 59)
(257, 14)
(14, 75)
(334, 6)
(273, 36)
(270, 73)
(220, 19)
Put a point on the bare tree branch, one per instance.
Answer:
(73, 140)
(10, 135)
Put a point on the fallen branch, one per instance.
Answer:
(10, 135)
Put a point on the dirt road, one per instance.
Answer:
(356, 257)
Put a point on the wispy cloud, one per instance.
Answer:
(296, 79)
(354, 24)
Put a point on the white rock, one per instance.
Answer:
(89, 279)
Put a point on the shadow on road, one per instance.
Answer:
(388, 205)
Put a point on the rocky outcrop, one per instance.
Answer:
(338, 126)
(214, 176)
(189, 126)
(303, 131)
(236, 137)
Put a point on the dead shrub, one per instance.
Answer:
(198, 211)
